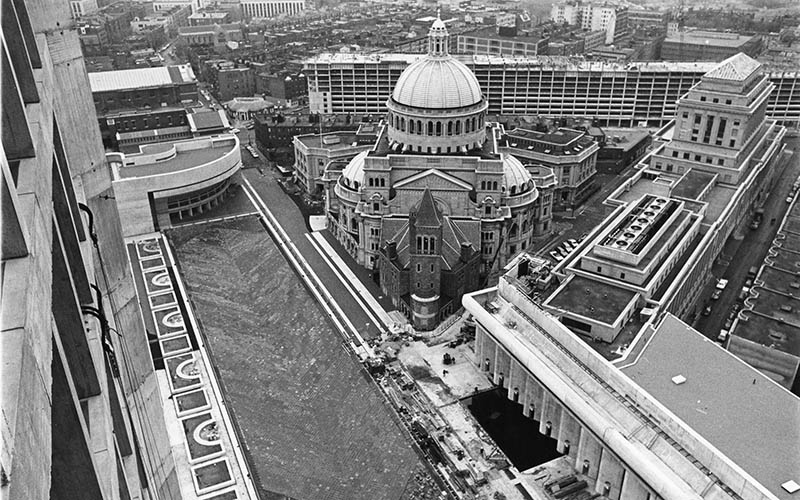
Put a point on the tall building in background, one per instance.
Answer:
(79, 416)
(612, 19)
(265, 9)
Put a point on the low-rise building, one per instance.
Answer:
(490, 42)
(571, 154)
(314, 153)
(167, 182)
(208, 18)
(701, 45)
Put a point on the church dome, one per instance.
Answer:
(516, 178)
(353, 173)
(437, 83)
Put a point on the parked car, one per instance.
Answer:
(707, 311)
(717, 293)
(556, 256)
(573, 242)
(723, 336)
(721, 284)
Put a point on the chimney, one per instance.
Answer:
(391, 250)
(466, 251)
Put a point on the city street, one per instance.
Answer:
(745, 248)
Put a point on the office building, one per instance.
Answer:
(79, 419)
(488, 41)
(266, 9)
(594, 351)
(612, 93)
(611, 19)
(141, 99)
(708, 45)
(570, 154)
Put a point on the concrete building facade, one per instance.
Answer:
(79, 419)
(614, 94)
(611, 19)
(265, 9)
(170, 181)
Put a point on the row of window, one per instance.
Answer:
(437, 128)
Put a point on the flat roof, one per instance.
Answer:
(561, 136)
(181, 161)
(692, 184)
(745, 415)
(591, 298)
(140, 78)
(553, 62)
(346, 140)
(711, 38)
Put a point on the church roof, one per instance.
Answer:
(428, 214)
(735, 68)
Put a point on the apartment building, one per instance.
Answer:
(260, 9)
(615, 94)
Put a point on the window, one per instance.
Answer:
(703, 98)
(728, 101)
(376, 207)
(488, 210)
(599, 269)
(696, 157)
(622, 276)
(419, 267)
(720, 162)
(733, 143)
(431, 267)
(674, 154)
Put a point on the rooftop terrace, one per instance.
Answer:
(693, 184)
(724, 400)
(164, 160)
(592, 299)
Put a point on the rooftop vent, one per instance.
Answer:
(791, 486)
(678, 379)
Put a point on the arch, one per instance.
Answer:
(419, 127)
(410, 126)
(371, 182)
(438, 128)
(383, 182)
(472, 125)
(449, 127)
(430, 128)
(494, 185)
(458, 127)
(402, 124)
(466, 126)
(513, 190)
(483, 184)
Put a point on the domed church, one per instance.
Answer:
(433, 207)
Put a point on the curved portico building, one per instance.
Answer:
(167, 182)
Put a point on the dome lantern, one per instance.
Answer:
(438, 38)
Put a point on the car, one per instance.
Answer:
(563, 251)
(573, 242)
(716, 294)
(721, 284)
(728, 323)
(789, 199)
(707, 311)
(556, 256)
(723, 336)
(748, 283)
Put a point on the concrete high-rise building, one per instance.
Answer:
(612, 93)
(265, 9)
(611, 19)
(79, 419)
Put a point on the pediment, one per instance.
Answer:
(435, 180)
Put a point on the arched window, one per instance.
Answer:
(403, 124)
(472, 126)
(438, 128)
(494, 185)
(410, 126)
(458, 127)
(513, 190)
(483, 184)
(430, 128)
(419, 127)
(450, 127)
(383, 182)
(371, 181)
(466, 126)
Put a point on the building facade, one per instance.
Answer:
(612, 93)
(78, 417)
(265, 9)
(488, 42)
(708, 45)
(570, 154)
(611, 19)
